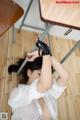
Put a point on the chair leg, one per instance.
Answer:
(26, 13)
(77, 45)
(42, 36)
(13, 34)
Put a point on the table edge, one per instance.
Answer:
(54, 22)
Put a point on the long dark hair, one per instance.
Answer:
(23, 77)
(34, 65)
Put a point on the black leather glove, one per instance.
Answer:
(44, 47)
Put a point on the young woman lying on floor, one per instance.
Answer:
(36, 83)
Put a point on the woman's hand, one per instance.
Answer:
(44, 47)
(32, 56)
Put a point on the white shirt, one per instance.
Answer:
(23, 100)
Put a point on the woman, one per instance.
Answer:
(36, 82)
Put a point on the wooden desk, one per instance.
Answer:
(62, 14)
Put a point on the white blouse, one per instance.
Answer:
(23, 101)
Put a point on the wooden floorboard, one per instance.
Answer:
(69, 102)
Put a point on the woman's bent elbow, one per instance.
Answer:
(47, 85)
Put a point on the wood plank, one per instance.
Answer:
(69, 108)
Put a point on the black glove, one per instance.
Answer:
(44, 47)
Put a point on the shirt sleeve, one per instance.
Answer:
(34, 92)
(56, 90)
(23, 95)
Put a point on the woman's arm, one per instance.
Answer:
(63, 75)
(45, 81)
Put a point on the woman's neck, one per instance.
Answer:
(29, 82)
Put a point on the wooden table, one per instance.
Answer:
(64, 14)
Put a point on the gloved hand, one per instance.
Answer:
(44, 47)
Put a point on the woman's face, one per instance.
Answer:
(33, 75)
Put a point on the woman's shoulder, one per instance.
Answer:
(23, 87)
(18, 88)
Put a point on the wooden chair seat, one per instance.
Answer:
(10, 12)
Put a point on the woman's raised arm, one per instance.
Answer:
(45, 81)
(62, 73)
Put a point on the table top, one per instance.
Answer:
(63, 14)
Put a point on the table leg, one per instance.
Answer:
(48, 36)
(71, 51)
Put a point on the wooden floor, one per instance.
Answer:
(69, 102)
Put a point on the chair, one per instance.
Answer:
(10, 12)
